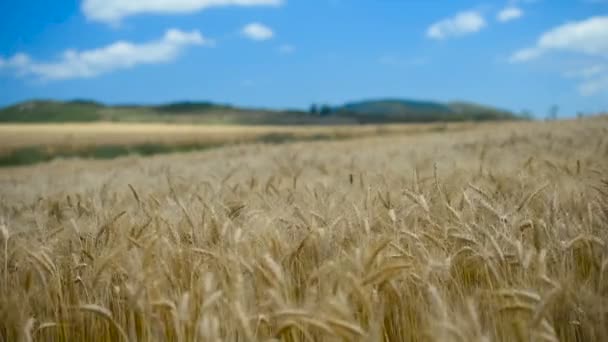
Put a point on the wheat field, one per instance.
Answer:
(494, 233)
(82, 135)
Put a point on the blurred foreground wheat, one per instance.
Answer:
(495, 233)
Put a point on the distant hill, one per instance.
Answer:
(189, 107)
(479, 112)
(395, 107)
(374, 111)
(394, 110)
(51, 111)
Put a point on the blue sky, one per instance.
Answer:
(526, 54)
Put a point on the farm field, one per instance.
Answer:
(30, 143)
(76, 135)
(465, 232)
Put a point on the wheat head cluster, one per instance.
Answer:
(494, 233)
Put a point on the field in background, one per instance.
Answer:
(490, 232)
(29, 143)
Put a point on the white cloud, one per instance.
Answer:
(525, 55)
(588, 72)
(17, 62)
(461, 24)
(119, 55)
(509, 14)
(287, 49)
(593, 78)
(588, 37)
(594, 86)
(258, 31)
(112, 11)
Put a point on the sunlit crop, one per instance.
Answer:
(497, 232)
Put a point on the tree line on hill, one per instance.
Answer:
(362, 112)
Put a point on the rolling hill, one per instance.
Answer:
(373, 111)
(395, 110)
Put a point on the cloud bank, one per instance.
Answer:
(588, 37)
(113, 11)
(75, 64)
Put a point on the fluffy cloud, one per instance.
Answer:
(594, 86)
(509, 14)
(588, 72)
(257, 31)
(525, 55)
(588, 37)
(461, 24)
(119, 55)
(112, 11)
(593, 79)
(18, 62)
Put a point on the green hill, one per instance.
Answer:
(52, 111)
(189, 107)
(375, 111)
(395, 107)
(479, 112)
(394, 110)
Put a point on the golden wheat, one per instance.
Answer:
(486, 233)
